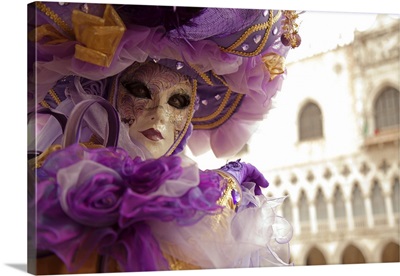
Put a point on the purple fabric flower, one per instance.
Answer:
(137, 250)
(150, 174)
(51, 219)
(98, 200)
(56, 232)
(91, 193)
(61, 159)
(92, 87)
(114, 159)
(187, 209)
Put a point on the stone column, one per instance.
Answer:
(349, 214)
(331, 216)
(389, 209)
(313, 217)
(368, 212)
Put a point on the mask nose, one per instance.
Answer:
(159, 114)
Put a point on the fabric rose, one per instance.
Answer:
(137, 250)
(58, 233)
(92, 87)
(90, 193)
(185, 210)
(150, 174)
(116, 159)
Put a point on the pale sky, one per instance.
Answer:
(322, 31)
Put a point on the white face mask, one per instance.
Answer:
(154, 101)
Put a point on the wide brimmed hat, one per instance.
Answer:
(236, 57)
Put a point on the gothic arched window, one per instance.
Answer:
(386, 109)
(310, 122)
(396, 196)
(377, 200)
(358, 202)
(338, 204)
(303, 208)
(322, 213)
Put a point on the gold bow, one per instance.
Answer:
(275, 64)
(100, 36)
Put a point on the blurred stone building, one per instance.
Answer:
(332, 147)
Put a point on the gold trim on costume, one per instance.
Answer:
(275, 64)
(54, 95)
(216, 112)
(223, 118)
(175, 264)
(219, 221)
(219, 78)
(42, 157)
(47, 30)
(56, 19)
(232, 184)
(264, 26)
(45, 104)
(202, 75)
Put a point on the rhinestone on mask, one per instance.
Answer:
(257, 38)
(179, 65)
(245, 47)
(275, 31)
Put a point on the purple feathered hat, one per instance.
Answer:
(235, 57)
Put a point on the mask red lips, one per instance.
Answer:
(152, 134)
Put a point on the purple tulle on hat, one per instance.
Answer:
(237, 76)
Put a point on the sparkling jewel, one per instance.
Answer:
(257, 38)
(217, 97)
(265, 13)
(179, 65)
(156, 60)
(293, 40)
(245, 47)
(62, 3)
(285, 40)
(235, 197)
(204, 102)
(275, 30)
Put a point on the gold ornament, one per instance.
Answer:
(275, 64)
(99, 37)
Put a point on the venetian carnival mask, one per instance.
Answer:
(155, 103)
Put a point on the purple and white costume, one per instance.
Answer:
(119, 202)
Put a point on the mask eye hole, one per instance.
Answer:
(179, 101)
(137, 89)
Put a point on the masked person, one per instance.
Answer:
(176, 77)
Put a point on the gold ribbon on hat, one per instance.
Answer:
(99, 37)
